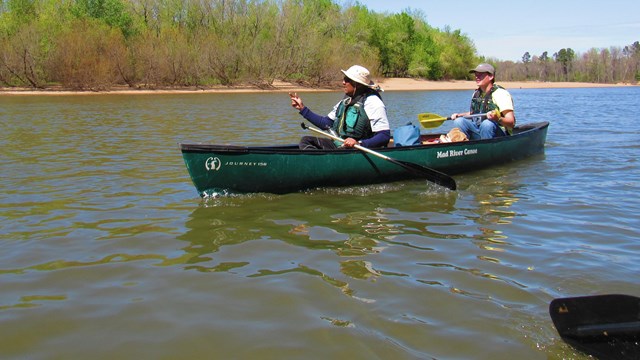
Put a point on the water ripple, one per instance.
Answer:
(102, 235)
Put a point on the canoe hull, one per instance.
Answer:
(216, 169)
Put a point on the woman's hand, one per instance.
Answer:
(350, 142)
(296, 102)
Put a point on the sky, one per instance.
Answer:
(505, 30)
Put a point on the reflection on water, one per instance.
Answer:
(347, 223)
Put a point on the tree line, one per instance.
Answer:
(100, 44)
(608, 65)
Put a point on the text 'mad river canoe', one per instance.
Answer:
(228, 169)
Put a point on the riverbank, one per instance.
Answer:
(413, 84)
(388, 84)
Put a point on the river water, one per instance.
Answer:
(107, 251)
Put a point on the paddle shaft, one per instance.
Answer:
(429, 120)
(472, 116)
(436, 117)
(359, 147)
(605, 330)
(432, 175)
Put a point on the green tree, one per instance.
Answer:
(393, 36)
(543, 74)
(526, 60)
(85, 56)
(457, 54)
(632, 54)
(113, 12)
(544, 57)
(565, 58)
(15, 13)
(22, 57)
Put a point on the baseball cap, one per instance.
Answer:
(483, 68)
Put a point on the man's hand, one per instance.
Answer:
(494, 115)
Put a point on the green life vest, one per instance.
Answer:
(483, 103)
(351, 119)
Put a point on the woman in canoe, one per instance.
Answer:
(359, 118)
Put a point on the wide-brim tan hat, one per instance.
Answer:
(360, 74)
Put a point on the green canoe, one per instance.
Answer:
(225, 169)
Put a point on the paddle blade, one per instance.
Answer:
(429, 120)
(606, 326)
(430, 174)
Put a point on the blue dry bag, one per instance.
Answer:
(406, 135)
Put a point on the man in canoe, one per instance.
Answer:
(491, 99)
(360, 118)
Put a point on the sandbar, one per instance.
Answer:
(388, 84)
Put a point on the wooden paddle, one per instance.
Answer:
(605, 326)
(432, 175)
(430, 120)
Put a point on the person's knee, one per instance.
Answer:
(487, 129)
(461, 123)
(487, 125)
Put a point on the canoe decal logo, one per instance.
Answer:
(212, 163)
